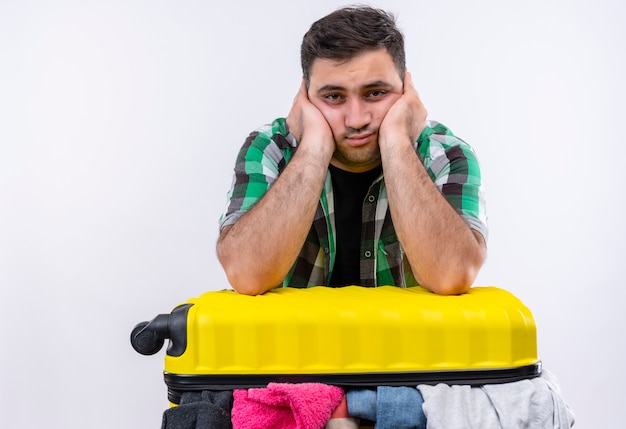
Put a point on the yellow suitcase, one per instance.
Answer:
(350, 336)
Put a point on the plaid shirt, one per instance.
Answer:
(450, 162)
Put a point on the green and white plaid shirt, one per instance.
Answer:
(450, 162)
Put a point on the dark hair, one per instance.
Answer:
(350, 31)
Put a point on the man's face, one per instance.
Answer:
(354, 97)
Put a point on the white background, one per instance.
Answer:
(119, 124)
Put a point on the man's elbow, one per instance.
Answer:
(243, 282)
(458, 278)
(453, 282)
(247, 287)
(246, 282)
(452, 286)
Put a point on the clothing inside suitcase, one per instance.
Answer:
(351, 336)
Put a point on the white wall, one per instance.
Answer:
(119, 124)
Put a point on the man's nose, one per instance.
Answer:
(357, 114)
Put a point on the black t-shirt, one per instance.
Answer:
(349, 191)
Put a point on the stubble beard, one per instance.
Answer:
(358, 157)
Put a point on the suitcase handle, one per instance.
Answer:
(147, 338)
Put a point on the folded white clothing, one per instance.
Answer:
(536, 403)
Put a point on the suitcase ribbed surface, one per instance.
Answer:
(355, 330)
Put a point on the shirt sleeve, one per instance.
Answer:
(455, 170)
(257, 167)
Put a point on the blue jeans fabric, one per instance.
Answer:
(390, 407)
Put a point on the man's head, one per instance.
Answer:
(354, 70)
(350, 31)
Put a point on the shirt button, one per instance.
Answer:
(368, 254)
(326, 250)
(371, 198)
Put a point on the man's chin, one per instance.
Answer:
(356, 164)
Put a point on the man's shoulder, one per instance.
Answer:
(275, 132)
(270, 143)
(437, 138)
(438, 133)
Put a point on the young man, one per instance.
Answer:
(355, 186)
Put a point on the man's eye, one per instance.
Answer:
(332, 97)
(377, 93)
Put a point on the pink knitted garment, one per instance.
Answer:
(285, 406)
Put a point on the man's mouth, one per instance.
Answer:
(356, 140)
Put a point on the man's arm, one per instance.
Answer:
(444, 253)
(258, 251)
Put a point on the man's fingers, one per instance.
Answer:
(295, 118)
(408, 83)
(408, 80)
(302, 90)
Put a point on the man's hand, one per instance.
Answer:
(307, 124)
(406, 118)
